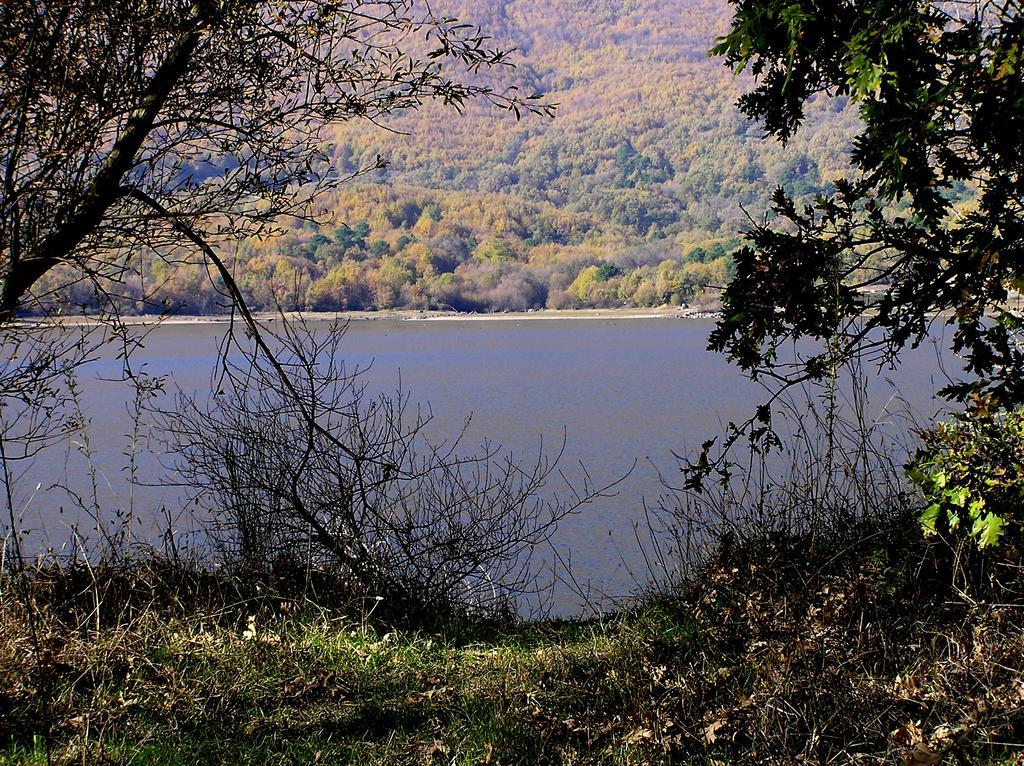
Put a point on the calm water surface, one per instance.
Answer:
(621, 391)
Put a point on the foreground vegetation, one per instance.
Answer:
(772, 654)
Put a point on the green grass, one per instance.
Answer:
(743, 669)
(306, 687)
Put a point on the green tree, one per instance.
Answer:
(351, 236)
(494, 250)
(379, 248)
(585, 282)
(606, 271)
(939, 89)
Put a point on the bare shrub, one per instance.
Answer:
(838, 467)
(300, 466)
(38, 364)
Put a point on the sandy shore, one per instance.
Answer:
(421, 316)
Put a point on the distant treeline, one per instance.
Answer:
(633, 195)
(410, 248)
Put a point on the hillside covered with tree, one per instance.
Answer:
(633, 194)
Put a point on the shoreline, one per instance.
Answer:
(400, 315)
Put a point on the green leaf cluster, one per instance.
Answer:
(970, 473)
(930, 221)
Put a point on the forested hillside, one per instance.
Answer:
(631, 195)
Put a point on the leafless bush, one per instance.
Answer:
(300, 466)
(36, 362)
(838, 467)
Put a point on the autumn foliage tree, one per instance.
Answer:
(179, 126)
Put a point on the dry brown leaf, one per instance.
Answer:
(437, 747)
(922, 755)
(639, 734)
(906, 687)
(711, 731)
(909, 734)
(414, 697)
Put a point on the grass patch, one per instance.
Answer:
(744, 666)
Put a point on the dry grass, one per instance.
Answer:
(866, 658)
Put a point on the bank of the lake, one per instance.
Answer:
(769, 655)
(400, 315)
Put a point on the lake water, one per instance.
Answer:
(622, 391)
